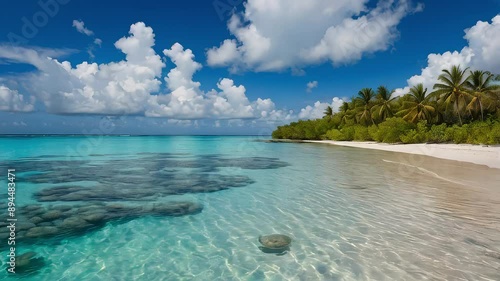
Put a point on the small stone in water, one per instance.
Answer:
(275, 241)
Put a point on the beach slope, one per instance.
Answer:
(477, 154)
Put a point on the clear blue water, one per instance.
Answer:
(353, 214)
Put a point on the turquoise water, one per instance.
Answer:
(353, 214)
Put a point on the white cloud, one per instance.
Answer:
(230, 101)
(121, 87)
(187, 101)
(115, 88)
(80, 27)
(223, 55)
(182, 74)
(11, 100)
(317, 110)
(273, 35)
(311, 85)
(348, 41)
(133, 85)
(484, 41)
(481, 53)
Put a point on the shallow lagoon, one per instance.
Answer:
(353, 214)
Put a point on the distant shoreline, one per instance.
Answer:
(476, 154)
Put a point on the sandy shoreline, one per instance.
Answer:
(482, 155)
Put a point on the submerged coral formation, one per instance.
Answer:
(105, 188)
(58, 221)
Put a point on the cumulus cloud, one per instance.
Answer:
(187, 101)
(182, 74)
(121, 87)
(317, 110)
(115, 88)
(80, 27)
(11, 100)
(133, 86)
(311, 85)
(482, 53)
(223, 55)
(290, 34)
(484, 41)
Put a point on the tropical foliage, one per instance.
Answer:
(383, 103)
(482, 91)
(364, 104)
(462, 107)
(418, 107)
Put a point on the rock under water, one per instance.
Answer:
(278, 244)
(275, 241)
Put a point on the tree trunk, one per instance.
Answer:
(481, 106)
(458, 112)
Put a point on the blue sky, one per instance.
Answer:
(277, 73)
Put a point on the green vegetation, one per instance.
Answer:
(464, 107)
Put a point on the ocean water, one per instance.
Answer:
(353, 214)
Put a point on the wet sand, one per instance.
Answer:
(477, 154)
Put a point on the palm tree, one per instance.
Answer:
(383, 102)
(344, 110)
(452, 90)
(481, 90)
(364, 106)
(418, 107)
(328, 112)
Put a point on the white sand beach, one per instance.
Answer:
(477, 154)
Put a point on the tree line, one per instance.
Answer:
(462, 107)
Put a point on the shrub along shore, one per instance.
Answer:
(464, 107)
